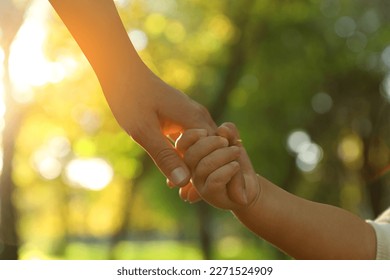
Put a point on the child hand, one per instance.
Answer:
(221, 170)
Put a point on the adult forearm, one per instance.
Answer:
(308, 230)
(97, 28)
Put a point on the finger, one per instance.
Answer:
(218, 179)
(236, 189)
(183, 192)
(214, 161)
(188, 138)
(243, 188)
(193, 195)
(189, 193)
(184, 141)
(230, 132)
(214, 190)
(163, 154)
(249, 176)
(202, 148)
(196, 115)
(170, 184)
(237, 186)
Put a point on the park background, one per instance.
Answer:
(306, 82)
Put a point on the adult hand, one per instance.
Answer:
(146, 107)
(154, 114)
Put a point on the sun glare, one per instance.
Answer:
(93, 174)
(1, 80)
(28, 64)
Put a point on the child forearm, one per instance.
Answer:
(305, 229)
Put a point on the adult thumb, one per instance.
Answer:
(164, 156)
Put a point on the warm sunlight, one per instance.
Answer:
(29, 66)
(1, 82)
(87, 87)
(93, 174)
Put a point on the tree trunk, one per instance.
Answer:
(11, 19)
(8, 234)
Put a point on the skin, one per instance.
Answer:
(301, 228)
(148, 109)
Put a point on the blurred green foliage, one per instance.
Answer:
(319, 68)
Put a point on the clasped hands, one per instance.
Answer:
(222, 173)
(208, 163)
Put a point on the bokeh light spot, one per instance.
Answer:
(350, 151)
(139, 39)
(321, 103)
(345, 27)
(386, 56)
(296, 140)
(93, 174)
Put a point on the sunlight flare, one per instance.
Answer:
(93, 174)
(28, 65)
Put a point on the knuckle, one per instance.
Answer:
(201, 113)
(165, 156)
(189, 159)
(215, 181)
(222, 141)
(229, 131)
(206, 167)
(188, 138)
(207, 164)
(230, 125)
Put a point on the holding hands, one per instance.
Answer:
(222, 173)
(223, 176)
(151, 111)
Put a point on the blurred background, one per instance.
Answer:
(306, 82)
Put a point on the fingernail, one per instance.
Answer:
(170, 184)
(178, 175)
(182, 195)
